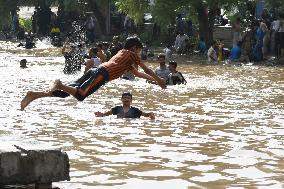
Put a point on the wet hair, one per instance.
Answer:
(173, 63)
(100, 44)
(23, 63)
(214, 42)
(126, 94)
(161, 55)
(133, 41)
(94, 50)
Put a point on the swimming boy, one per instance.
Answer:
(175, 77)
(162, 71)
(94, 78)
(23, 63)
(126, 110)
(94, 60)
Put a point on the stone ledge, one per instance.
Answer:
(24, 166)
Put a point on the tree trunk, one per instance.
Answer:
(100, 15)
(5, 13)
(203, 23)
(211, 16)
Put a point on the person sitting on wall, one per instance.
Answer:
(211, 53)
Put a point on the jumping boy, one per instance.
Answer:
(93, 79)
(126, 110)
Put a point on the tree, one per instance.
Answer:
(6, 6)
(164, 12)
(204, 11)
(134, 8)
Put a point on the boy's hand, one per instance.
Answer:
(162, 83)
(152, 116)
(99, 114)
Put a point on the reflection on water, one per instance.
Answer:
(224, 129)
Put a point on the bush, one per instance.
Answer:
(26, 24)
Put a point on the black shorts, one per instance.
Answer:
(85, 83)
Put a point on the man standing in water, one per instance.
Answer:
(126, 110)
(92, 80)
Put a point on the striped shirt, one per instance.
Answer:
(121, 63)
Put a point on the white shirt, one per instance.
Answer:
(276, 25)
(212, 55)
(180, 41)
(97, 61)
(281, 26)
(168, 53)
(163, 73)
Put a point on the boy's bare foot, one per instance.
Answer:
(57, 84)
(27, 100)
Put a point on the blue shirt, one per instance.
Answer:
(202, 46)
(235, 53)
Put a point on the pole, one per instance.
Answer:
(108, 18)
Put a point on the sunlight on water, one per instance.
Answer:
(223, 129)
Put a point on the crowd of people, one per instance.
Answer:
(251, 44)
(263, 38)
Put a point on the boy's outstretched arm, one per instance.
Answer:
(151, 115)
(142, 75)
(156, 78)
(101, 114)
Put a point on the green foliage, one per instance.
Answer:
(161, 16)
(245, 11)
(26, 24)
(134, 8)
(5, 8)
(71, 5)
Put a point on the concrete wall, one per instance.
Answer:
(225, 33)
(33, 166)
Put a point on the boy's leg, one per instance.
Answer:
(31, 96)
(87, 84)
(68, 89)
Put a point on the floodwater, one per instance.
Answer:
(223, 129)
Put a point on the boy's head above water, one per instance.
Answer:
(126, 94)
(23, 63)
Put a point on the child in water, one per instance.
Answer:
(175, 77)
(94, 78)
(126, 110)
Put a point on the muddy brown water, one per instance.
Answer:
(223, 129)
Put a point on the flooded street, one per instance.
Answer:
(223, 129)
